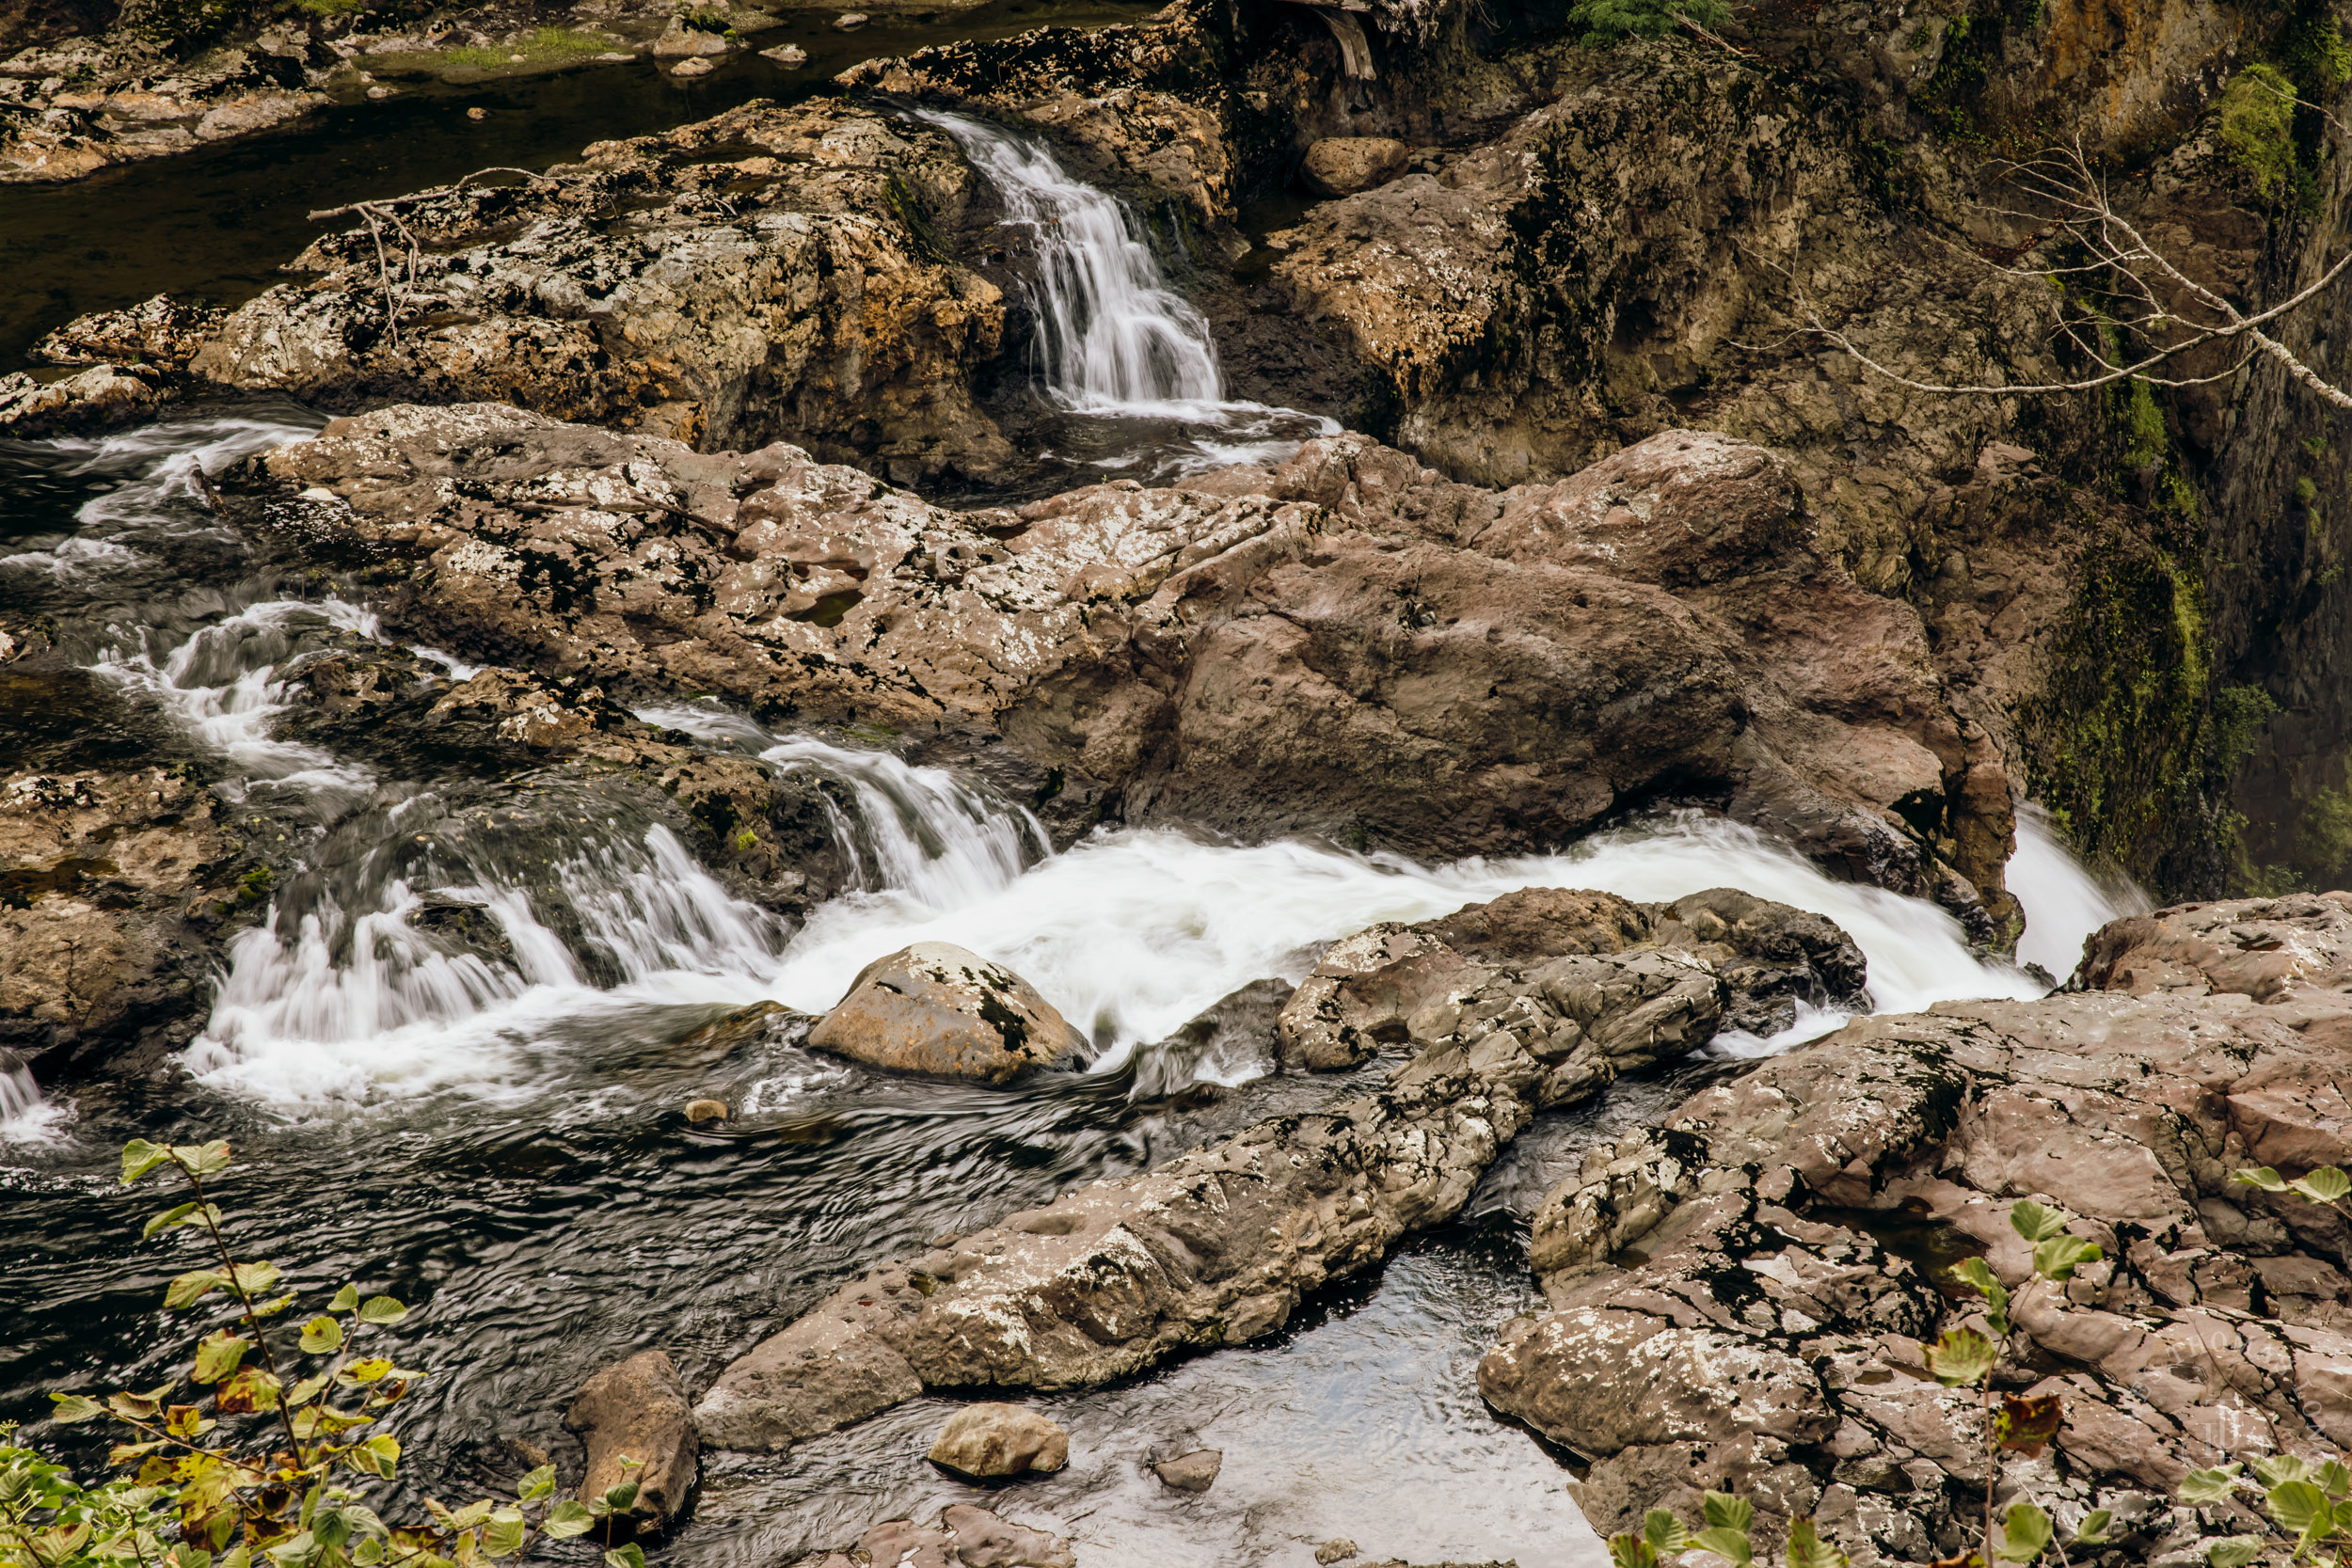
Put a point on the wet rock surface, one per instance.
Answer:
(1740, 1294)
(1219, 1246)
(1347, 644)
(942, 1010)
(638, 1411)
(963, 1537)
(994, 1441)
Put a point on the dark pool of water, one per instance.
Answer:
(217, 222)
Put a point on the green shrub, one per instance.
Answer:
(262, 1453)
(1608, 21)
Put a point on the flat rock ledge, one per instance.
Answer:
(1219, 1246)
(1739, 1295)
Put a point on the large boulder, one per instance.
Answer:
(1448, 671)
(1740, 1294)
(1341, 165)
(941, 1010)
(637, 1411)
(1219, 1246)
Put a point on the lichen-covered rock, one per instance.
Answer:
(1452, 671)
(637, 1411)
(1739, 1295)
(1219, 1246)
(944, 1010)
(993, 1441)
(763, 273)
(160, 332)
(101, 398)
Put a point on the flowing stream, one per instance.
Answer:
(484, 1117)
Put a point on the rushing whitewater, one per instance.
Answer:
(2064, 901)
(1113, 338)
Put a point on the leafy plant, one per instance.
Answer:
(260, 1455)
(1608, 21)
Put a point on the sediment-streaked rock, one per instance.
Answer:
(637, 1410)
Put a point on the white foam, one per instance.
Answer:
(26, 1116)
(2063, 899)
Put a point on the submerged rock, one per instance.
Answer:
(637, 1410)
(1740, 1294)
(965, 1535)
(994, 1441)
(1219, 1246)
(941, 1010)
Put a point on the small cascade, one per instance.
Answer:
(26, 1116)
(2064, 900)
(1114, 341)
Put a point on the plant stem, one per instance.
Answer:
(252, 1320)
(1991, 1468)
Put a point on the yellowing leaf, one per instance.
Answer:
(254, 1389)
(321, 1334)
(381, 1309)
(346, 1299)
(369, 1370)
(1961, 1356)
(75, 1407)
(139, 1157)
(217, 1355)
(191, 1287)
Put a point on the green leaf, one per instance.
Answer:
(502, 1536)
(139, 1157)
(217, 1355)
(2300, 1507)
(622, 1496)
(1806, 1549)
(633, 1556)
(209, 1160)
(1961, 1357)
(2057, 1258)
(1974, 1274)
(1730, 1544)
(235, 1556)
(1625, 1551)
(75, 1407)
(2278, 1470)
(1664, 1532)
(2262, 1177)
(538, 1484)
(568, 1518)
(372, 1369)
(2236, 1551)
(271, 1307)
(2325, 1185)
(321, 1334)
(305, 1391)
(330, 1527)
(2200, 1487)
(254, 1279)
(2093, 1531)
(471, 1515)
(346, 1299)
(1725, 1511)
(2333, 1479)
(2035, 1222)
(178, 1215)
(386, 1450)
(2025, 1533)
(381, 1309)
(191, 1285)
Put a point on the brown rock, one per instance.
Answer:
(942, 1009)
(1341, 165)
(991, 1441)
(1191, 1472)
(1335, 1551)
(637, 1410)
(679, 42)
(965, 1537)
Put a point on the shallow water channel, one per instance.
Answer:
(496, 1135)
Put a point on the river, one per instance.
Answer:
(500, 1141)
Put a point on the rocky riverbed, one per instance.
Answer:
(1206, 788)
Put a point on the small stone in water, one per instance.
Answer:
(691, 68)
(707, 1110)
(477, 114)
(1192, 1472)
(1335, 1551)
(785, 54)
(991, 1440)
(379, 92)
(850, 22)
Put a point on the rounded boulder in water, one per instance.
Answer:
(1341, 165)
(991, 1441)
(942, 1009)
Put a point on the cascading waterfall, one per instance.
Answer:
(1113, 338)
(2064, 901)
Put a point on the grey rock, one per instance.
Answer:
(944, 1010)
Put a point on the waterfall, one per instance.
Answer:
(27, 1116)
(1113, 340)
(2064, 901)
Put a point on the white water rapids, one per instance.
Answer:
(1113, 340)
